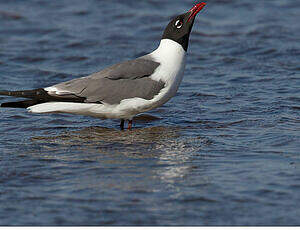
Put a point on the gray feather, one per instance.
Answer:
(121, 81)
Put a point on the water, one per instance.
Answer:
(224, 151)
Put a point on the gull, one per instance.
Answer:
(123, 90)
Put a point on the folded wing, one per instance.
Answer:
(125, 80)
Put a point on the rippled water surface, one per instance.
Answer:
(224, 151)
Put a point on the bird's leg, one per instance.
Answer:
(122, 124)
(129, 124)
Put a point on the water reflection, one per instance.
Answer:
(165, 147)
(103, 137)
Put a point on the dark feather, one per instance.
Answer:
(38, 96)
(20, 104)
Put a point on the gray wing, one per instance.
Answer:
(121, 81)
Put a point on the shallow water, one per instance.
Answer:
(224, 151)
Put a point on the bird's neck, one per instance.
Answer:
(171, 56)
(170, 53)
(169, 49)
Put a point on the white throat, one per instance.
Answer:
(169, 47)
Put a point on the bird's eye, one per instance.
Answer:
(178, 24)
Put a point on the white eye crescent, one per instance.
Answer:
(178, 24)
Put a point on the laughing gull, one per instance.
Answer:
(122, 90)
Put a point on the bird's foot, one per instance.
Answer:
(122, 124)
(129, 124)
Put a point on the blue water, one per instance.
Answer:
(224, 151)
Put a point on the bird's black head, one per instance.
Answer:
(180, 27)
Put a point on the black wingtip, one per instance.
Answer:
(20, 104)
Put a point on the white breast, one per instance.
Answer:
(172, 57)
